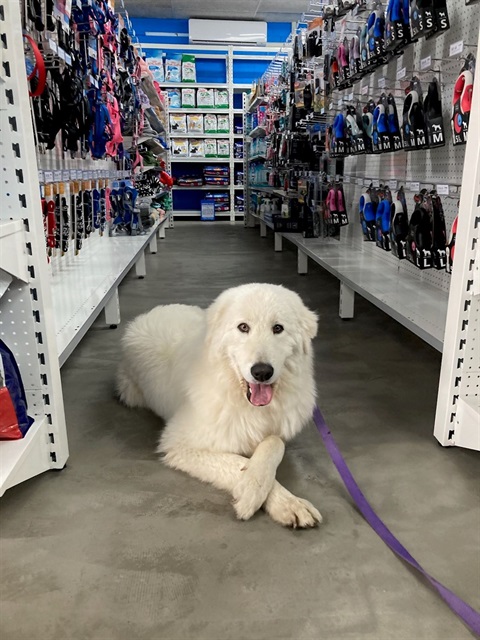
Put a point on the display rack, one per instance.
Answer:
(229, 56)
(27, 322)
(418, 299)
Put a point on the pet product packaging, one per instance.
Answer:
(188, 98)
(196, 148)
(210, 123)
(173, 67)
(14, 420)
(210, 148)
(178, 123)
(188, 68)
(195, 123)
(179, 147)
(155, 64)
(223, 124)
(221, 98)
(174, 98)
(206, 98)
(223, 148)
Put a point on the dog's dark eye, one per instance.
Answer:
(277, 328)
(243, 327)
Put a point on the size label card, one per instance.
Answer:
(360, 182)
(443, 189)
(340, 102)
(57, 176)
(350, 97)
(401, 73)
(330, 106)
(364, 90)
(48, 176)
(346, 179)
(381, 82)
(456, 48)
(393, 184)
(41, 177)
(413, 186)
(376, 183)
(426, 63)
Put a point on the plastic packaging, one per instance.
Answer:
(221, 99)
(188, 98)
(195, 123)
(178, 123)
(223, 148)
(210, 123)
(188, 68)
(210, 148)
(156, 66)
(173, 67)
(196, 148)
(223, 124)
(206, 98)
(174, 98)
(179, 147)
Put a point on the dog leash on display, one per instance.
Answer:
(469, 616)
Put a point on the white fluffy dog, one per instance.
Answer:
(233, 383)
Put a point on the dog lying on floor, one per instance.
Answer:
(233, 384)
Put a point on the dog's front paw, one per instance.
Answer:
(251, 492)
(290, 511)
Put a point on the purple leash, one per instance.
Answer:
(469, 616)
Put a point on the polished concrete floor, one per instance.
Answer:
(118, 547)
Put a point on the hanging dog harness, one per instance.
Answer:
(469, 616)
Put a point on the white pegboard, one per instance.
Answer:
(442, 165)
(26, 327)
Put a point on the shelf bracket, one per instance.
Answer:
(347, 302)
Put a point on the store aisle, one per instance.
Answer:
(118, 547)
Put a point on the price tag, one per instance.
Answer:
(393, 184)
(330, 106)
(413, 186)
(340, 102)
(61, 53)
(57, 176)
(41, 177)
(337, 178)
(456, 48)
(350, 97)
(66, 175)
(367, 182)
(443, 189)
(68, 59)
(85, 175)
(364, 90)
(52, 44)
(401, 73)
(360, 182)
(426, 63)
(322, 110)
(92, 53)
(48, 176)
(381, 82)
(376, 183)
(329, 178)
(346, 179)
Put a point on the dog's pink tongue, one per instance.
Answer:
(260, 394)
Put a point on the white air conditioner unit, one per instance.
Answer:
(227, 31)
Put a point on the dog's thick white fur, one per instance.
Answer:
(194, 369)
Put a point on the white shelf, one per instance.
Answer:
(194, 85)
(259, 100)
(199, 136)
(25, 458)
(200, 110)
(83, 284)
(419, 306)
(13, 258)
(197, 159)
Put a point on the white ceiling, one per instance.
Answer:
(269, 10)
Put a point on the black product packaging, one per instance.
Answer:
(422, 20)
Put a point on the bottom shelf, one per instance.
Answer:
(25, 458)
(84, 284)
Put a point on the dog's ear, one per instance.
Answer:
(308, 321)
(215, 314)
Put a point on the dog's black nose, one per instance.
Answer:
(262, 371)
